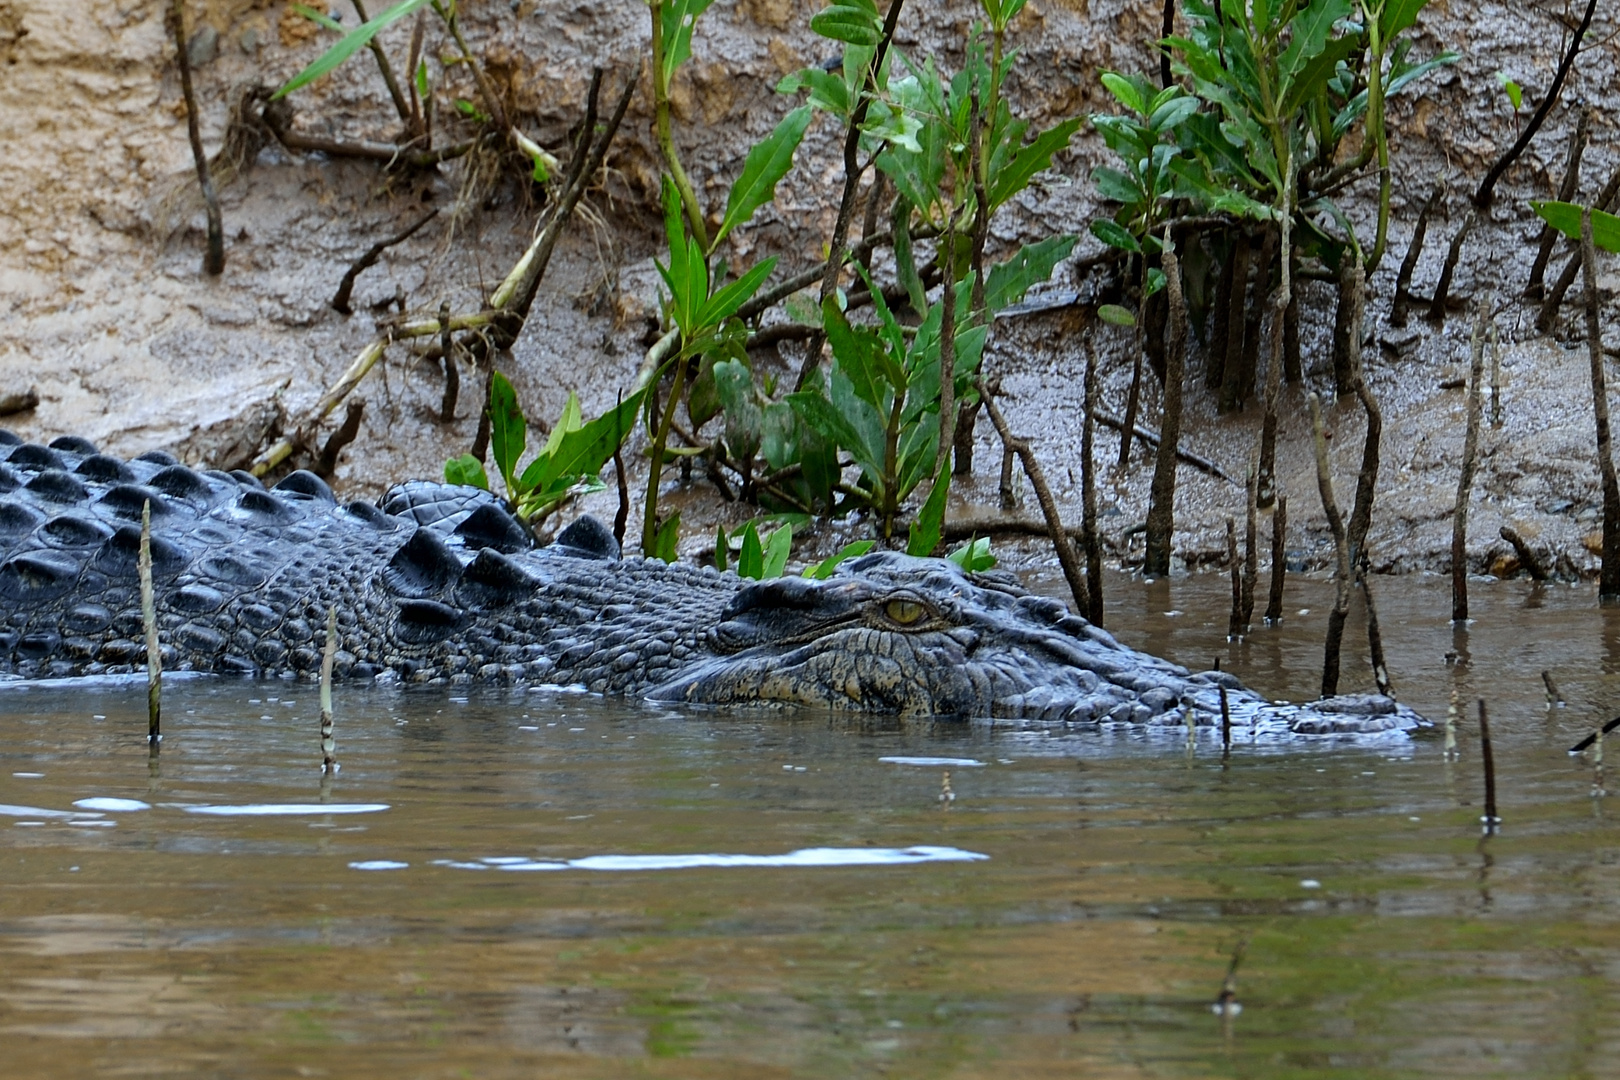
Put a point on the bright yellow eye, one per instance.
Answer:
(904, 612)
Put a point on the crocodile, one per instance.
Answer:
(440, 584)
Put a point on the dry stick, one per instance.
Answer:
(1251, 554)
(1236, 322)
(1279, 561)
(1215, 352)
(328, 658)
(154, 655)
(1487, 186)
(1496, 375)
(1162, 493)
(524, 282)
(1202, 464)
(1403, 279)
(1566, 192)
(1491, 819)
(388, 153)
(1168, 29)
(1226, 1001)
(1527, 558)
(1281, 302)
(1375, 636)
(340, 301)
(1341, 602)
(1226, 720)
(1088, 492)
(326, 461)
(853, 170)
(1609, 576)
(1554, 698)
(1590, 739)
(400, 104)
(1238, 386)
(1442, 288)
(452, 374)
(1465, 478)
(1234, 621)
(1293, 367)
(1566, 277)
(1133, 399)
(418, 122)
(1043, 493)
(1347, 321)
(214, 259)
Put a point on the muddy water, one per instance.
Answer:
(491, 886)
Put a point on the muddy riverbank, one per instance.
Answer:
(110, 319)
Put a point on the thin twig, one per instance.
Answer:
(340, 302)
(214, 259)
(1043, 494)
(1487, 186)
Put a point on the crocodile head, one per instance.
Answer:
(919, 637)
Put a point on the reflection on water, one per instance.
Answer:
(795, 896)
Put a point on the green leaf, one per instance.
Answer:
(1115, 315)
(823, 570)
(1398, 15)
(1126, 92)
(974, 557)
(347, 45)
(318, 18)
(679, 19)
(721, 548)
(508, 432)
(1035, 156)
(777, 549)
(1308, 36)
(666, 539)
(422, 81)
(856, 349)
(1118, 186)
(1115, 235)
(1566, 218)
(845, 22)
(726, 300)
(905, 261)
(583, 451)
(471, 111)
(1007, 282)
(864, 441)
(767, 163)
(1514, 91)
(466, 470)
(751, 560)
(930, 522)
(572, 419)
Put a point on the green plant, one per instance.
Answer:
(824, 569)
(567, 465)
(1566, 218)
(974, 556)
(758, 557)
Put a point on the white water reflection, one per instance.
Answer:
(281, 809)
(921, 853)
(946, 762)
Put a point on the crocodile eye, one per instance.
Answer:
(904, 612)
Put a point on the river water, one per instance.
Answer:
(505, 884)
